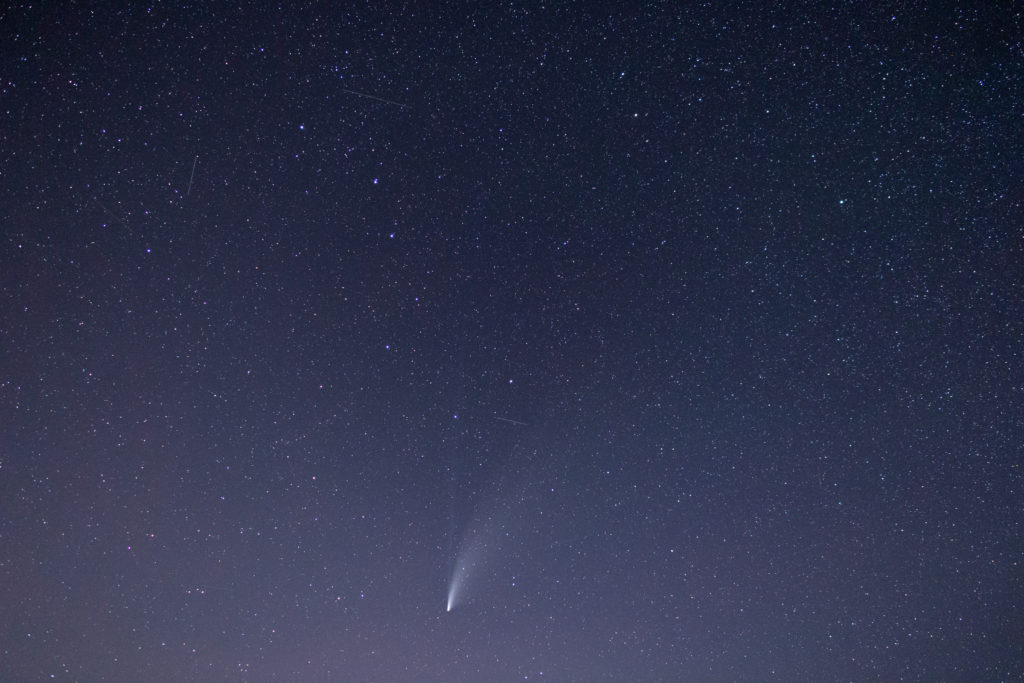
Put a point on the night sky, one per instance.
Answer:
(659, 343)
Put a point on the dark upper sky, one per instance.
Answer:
(675, 343)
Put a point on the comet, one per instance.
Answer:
(492, 526)
(453, 588)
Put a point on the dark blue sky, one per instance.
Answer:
(676, 342)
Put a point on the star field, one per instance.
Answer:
(518, 341)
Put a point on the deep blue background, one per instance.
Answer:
(751, 278)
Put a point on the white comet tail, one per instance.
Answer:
(451, 596)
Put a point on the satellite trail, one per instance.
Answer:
(374, 97)
(194, 162)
